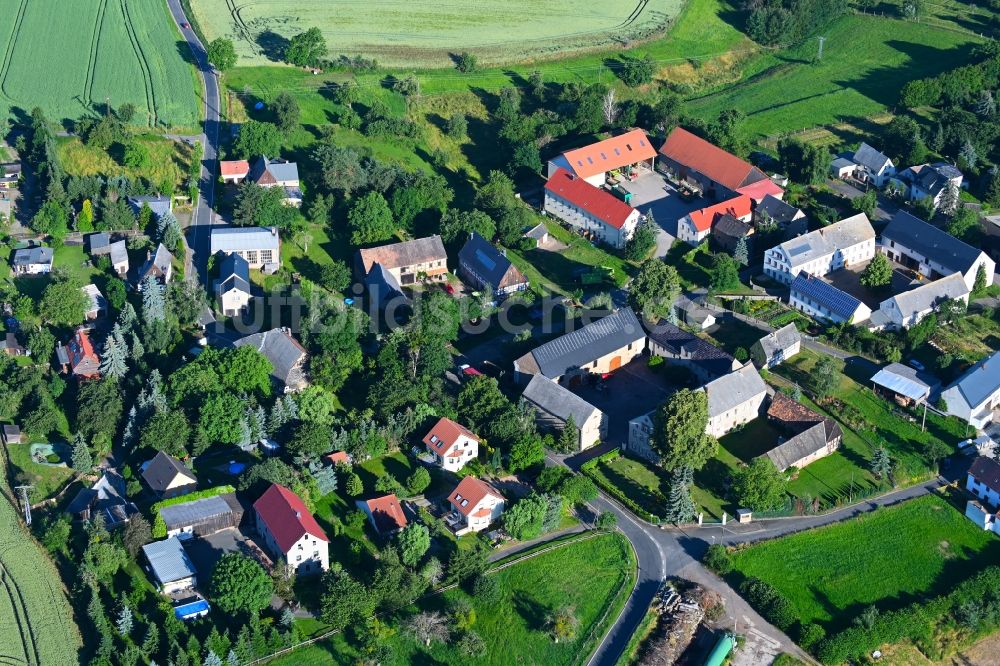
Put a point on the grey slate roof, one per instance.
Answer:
(98, 240)
(280, 170)
(869, 157)
(806, 443)
(841, 162)
(283, 351)
(33, 255)
(729, 391)
(162, 470)
(234, 273)
(933, 178)
(159, 204)
(931, 295)
(779, 340)
(487, 262)
(845, 233)
(168, 560)
(986, 471)
(157, 264)
(382, 285)
(238, 239)
(727, 225)
(777, 210)
(933, 243)
(904, 380)
(593, 341)
(537, 232)
(980, 381)
(836, 301)
(109, 488)
(560, 402)
(190, 513)
(682, 344)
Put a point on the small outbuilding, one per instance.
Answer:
(11, 434)
(170, 565)
(903, 384)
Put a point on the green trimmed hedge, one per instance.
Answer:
(588, 468)
(160, 527)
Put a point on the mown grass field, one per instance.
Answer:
(886, 558)
(593, 575)
(866, 61)
(36, 621)
(402, 33)
(69, 57)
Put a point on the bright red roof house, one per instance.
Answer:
(690, 157)
(591, 209)
(607, 155)
(696, 225)
(290, 531)
(477, 503)
(233, 171)
(385, 513)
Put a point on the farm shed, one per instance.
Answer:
(903, 384)
(842, 168)
(170, 565)
(202, 516)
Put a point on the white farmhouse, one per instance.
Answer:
(290, 531)
(590, 209)
(910, 307)
(734, 399)
(821, 300)
(452, 444)
(933, 252)
(477, 503)
(983, 481)
(842, 244)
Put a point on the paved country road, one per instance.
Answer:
(202, 218)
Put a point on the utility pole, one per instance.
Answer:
(819, 54)
(27, 504)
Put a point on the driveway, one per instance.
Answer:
(652, 192)
(632, 391)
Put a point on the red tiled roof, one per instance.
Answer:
(599, 203)
(475, 491)
(613, 153)
(445, 434)
(757, 191)
(286, 517)
(83, 360)
(710, 160)
(704, 219)
(234, 168)
(387, 513)
(337, 458)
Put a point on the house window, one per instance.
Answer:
(266, 256)
(252, 256)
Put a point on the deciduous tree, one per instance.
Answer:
(240, 585)
(679, 431)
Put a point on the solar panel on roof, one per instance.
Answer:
(826, 294)
(797, 250)
(485, 260)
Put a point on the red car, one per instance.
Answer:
(449, 289)
(186, 26)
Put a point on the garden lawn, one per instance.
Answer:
(866, 61)
(643, 482)
(48, 480)
(885, 558)
(400, 466)
(732, 335)
(594, 575)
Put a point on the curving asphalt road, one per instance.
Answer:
(203, 217)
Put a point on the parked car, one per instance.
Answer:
(916, 365)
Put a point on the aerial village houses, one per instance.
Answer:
(701, 358)
(728, 231)
(695, 227)
(908, 308)
(291, 532)
(598, 348)
(117, 251)
(404, 264)
(983, 482)
(786, 217)
(719, 175)
(452, 444)
(32, 261)
(106, 497)
(640, 433)
(384, 513)
(870, 166)
(692, 313)
(822, 301)
(554, 405)
(158, 204)
(477, 503)
(260, 246)
(975, 396)
(286, 355)
(202, 517)
(842, 244)
(159, 265)
(932, 252)
(481, 264)
(734, 399)
(776, 347)
(591, 210)
(931, 180)
(80, 357)
(97, 305)
(10, 174)
(278, 173)
(168, 477)
(624, 156)
(232, 289)
(170, 566)
(11, 346)
(233, 171)
(811, 436)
